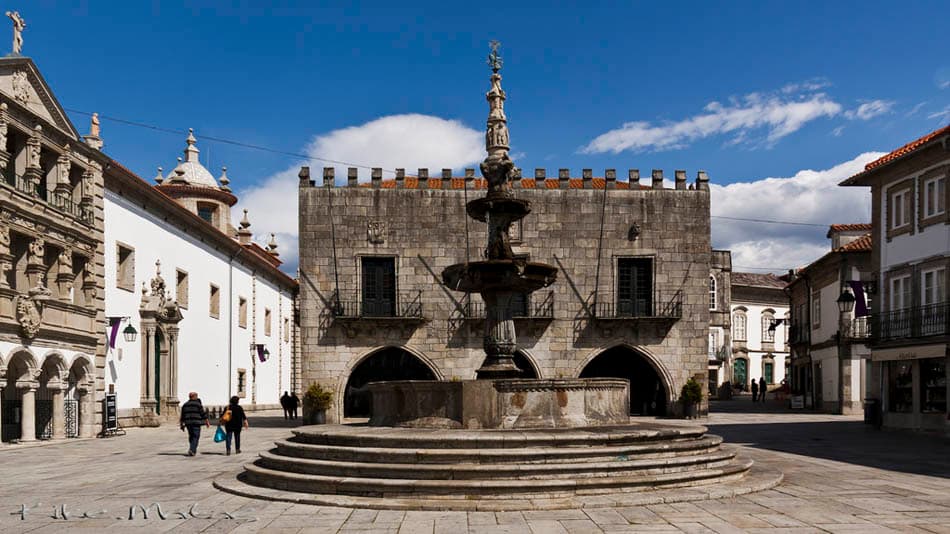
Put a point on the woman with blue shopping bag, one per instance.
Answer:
(234, 420)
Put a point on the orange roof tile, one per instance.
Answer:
(907, 149)
(457, 182)
(852, 227)
(858, 245)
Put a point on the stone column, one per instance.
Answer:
(6, 259)
(4, 155)
(28, 410)
(171, 393)
(87, 413)
(148, 368)
(500, 341)
(59, 413)
(63, 187)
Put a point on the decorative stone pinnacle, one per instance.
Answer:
(224, 180)
(158, 177)
(191, 151)
(245, 223)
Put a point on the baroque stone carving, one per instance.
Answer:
(29, 314)
(33, 148)
(37, 251)
(21, 87)
(3, 127)
(19, 24)
(376, 232)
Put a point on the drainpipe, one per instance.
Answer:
(231, 312)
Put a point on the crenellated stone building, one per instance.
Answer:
(632, 297)
(51, 227)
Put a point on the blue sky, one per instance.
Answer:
(744, 90)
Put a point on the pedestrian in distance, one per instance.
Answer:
(234, 420)
(762, 389)
(193, 415)
(294, 403)
(285, 404)
(755, 391)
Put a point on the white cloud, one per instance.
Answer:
(807, 197)
(869, 110)
(916, 108)
(938, 114)
(778, 114)
(407, 141)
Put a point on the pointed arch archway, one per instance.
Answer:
(651, 384)
(49, 396)
(526, 363)
(383, 364)
(79, 402)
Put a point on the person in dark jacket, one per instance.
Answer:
(192, 416)
(755, 391)
(234, 425)
(285, 404)
(294, 402)
(763, 388)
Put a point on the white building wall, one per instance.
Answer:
(907, 248)
(754, 345)
(203, 356)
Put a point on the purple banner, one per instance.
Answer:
(115, 322)
(860, 304)
(260, 353)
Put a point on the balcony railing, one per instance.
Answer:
(920, 321)
(58, 201)
(798, 333)
(404, 305)
(662, 307)
(858, 328)
(536, 306)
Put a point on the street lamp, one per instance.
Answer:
(845, 306)
(129, 333)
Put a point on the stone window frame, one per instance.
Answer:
(125, 267)
(924, 220)
(181, 288)
(816, 309)
(241, 382)
(744, 356)
(713, 293)
(935, 264)
(242, 311)
(740, 316)
(359, 273)
(715, 332)
(901, 273)
(768, 359)
(213, 208)
(615, 275)
(214, 302)
(286, 330)
(907, 190)
(267, 321)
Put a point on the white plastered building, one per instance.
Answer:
(213, 312)
(759, 329)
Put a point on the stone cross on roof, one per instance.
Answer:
(18, 26)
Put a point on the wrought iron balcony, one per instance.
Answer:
(916, 322)
(537, 306)
(858, 328)
(659, 308)
(406, 305)
(798, 333)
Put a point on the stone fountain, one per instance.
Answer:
(498, 442)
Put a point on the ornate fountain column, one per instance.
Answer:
(59, 412)
(27, 410)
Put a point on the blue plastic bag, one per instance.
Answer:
(219, 435)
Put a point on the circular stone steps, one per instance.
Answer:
(406, 468)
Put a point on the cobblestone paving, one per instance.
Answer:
(840, 476)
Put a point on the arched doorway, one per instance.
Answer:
(77, 411)
(524, 364)
(647, 391)
(740, 373)
(389, 363)
(49, 398)
(20, 387)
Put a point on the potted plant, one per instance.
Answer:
(315, 403)
(690, 397)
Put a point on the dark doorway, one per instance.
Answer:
(647, 392)
(391, 363)
(379, 287)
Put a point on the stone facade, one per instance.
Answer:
(51, 299)
(720, 324)
(420, 223)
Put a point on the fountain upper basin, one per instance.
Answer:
(499, 275)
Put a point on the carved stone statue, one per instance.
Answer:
(37, 252)
(18, 26)
(4, 240)
(94, 125)
(29, 315)
(66, 262)
(33, 148)
(3, 127)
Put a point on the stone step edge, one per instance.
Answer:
(275, 461)
(756, 479)
(515, 454)
(447, 439)
(447, 488)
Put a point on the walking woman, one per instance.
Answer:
(234, 424)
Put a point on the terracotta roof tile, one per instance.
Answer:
(858, 245)
(901, 152)
(852, 227)
(412, 182)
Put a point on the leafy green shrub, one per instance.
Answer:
(316, 398)
(692, 392)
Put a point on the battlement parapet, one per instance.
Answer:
(540, 180)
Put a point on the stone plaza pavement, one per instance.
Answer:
(840, 476)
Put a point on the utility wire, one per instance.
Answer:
(308, 157)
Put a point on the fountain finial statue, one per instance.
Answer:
(498, 165)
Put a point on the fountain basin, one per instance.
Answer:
(513, 208)
(501, 404)
(499, 275)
